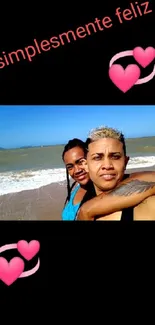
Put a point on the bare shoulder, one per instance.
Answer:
(146, 209)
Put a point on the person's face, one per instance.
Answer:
(75, 161)
(106, 163)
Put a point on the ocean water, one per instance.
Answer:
(31, 168)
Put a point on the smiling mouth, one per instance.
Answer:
(107, 177)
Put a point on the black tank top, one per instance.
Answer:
(127, 214)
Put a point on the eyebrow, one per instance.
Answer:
(110, 153)
(76, 161)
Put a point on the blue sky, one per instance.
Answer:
(43, 125)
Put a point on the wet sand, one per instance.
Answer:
(45, 203)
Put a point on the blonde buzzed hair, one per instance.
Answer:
(105, 132)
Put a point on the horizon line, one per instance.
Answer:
(60, 144)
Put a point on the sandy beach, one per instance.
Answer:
(45, 203)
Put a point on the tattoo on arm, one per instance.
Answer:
(135, 186)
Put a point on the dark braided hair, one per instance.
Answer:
(70, 145)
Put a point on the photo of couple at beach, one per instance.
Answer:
(77, 163)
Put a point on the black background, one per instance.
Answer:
(76, 73)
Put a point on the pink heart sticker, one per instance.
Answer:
(124, 79)
(144, 57)
(28, 250)
(10, 271)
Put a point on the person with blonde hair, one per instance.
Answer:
(125, 194)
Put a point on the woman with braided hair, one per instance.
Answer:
(74, 157)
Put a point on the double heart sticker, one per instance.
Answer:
(125, 79)
(11, 271)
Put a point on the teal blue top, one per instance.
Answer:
(70, 210)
